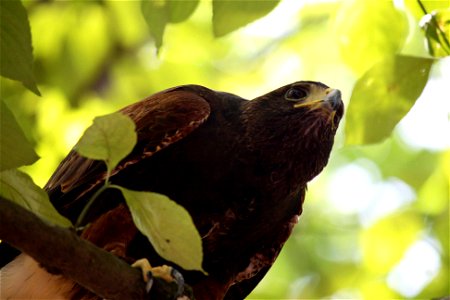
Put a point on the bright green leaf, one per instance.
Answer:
(231, 15)
(15, 150)
(383, 96)
(20, 189)
(368, 31)
(110, 138)
(168, 226)
(179, 11)
(16, 53)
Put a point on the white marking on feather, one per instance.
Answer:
(23, 278)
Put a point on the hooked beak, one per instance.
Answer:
(333, 97)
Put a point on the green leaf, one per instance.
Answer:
(368, 31)
(154, 13)
(179, 11)
(168, 226)
(20, 189)
(15, 150)
(231, 15)
(158, 13)
(383, 96)
(110, 138)
(16, 53)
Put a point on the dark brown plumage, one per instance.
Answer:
(239, 167)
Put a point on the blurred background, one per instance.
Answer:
(376, 221)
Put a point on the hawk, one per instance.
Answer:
(239, 167)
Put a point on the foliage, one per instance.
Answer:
(167, 225)
(110, 138)
(15, 42)
(231, 15)
(380, 208)
(383, 95)
(20, 188)
(15, 149)
(159, 13)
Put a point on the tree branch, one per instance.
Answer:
(61, 250)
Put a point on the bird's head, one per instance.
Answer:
(299, 110)
(313, 105)
(315, 100)
(297, 120)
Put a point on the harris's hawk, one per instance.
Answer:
(239, 167)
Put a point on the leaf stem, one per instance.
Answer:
(89, 204)
(107, 185)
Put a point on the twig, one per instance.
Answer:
(435, 23)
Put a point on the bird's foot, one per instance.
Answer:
(164, 272)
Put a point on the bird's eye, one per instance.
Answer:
(295, 94)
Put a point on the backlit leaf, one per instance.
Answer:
(168, 226)
(110, 138)
(231, 15)
(369, 31)
(20, 189)
(383, 96)
(15, 150)
(16, 53)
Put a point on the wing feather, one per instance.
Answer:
(161, 120)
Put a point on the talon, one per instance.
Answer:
(145, 267)
(149, 284)
(179, 279)
(147, 274)
(164, 272)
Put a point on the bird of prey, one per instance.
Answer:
(239, 167)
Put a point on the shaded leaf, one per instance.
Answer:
(110, 138)
(361, 28)
(16, 53)
(158, 13)
(179, 11)
(168, 226)
(383, 96)
(231, 15)
(15, 150)
(20, 189)
(154, 13)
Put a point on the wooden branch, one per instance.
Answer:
(62, 251)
